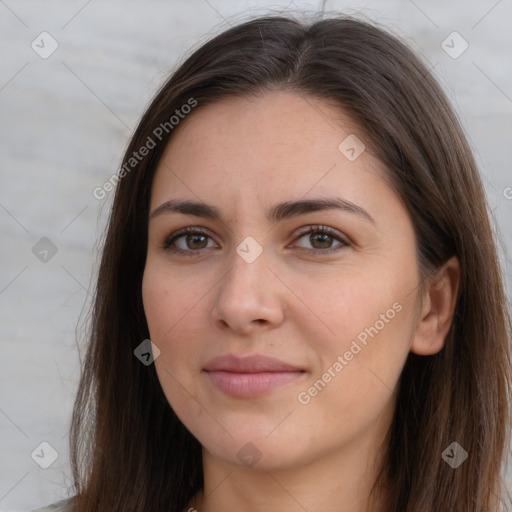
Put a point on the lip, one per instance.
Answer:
(253, 363)
(250, 376)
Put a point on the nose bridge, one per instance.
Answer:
(246, 293)
(247, 264)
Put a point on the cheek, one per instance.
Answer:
(358, 304)
(168, 304)
(353, 390)
(172, 311)
(359, 356)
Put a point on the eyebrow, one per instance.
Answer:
(277, 213)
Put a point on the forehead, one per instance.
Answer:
(278, 145)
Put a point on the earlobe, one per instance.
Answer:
(437, 309)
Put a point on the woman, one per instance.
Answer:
(300, 230)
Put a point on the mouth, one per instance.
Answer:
(250, 376)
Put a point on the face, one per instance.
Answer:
(282, 330)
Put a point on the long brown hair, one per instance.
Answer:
(129, 450)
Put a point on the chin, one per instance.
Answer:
(256, 453)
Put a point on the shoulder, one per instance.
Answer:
(65, 505)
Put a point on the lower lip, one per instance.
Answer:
(247, 385)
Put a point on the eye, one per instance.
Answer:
(321, 239)
(190, 241)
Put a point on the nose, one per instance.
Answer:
(249, 296)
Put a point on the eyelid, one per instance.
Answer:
(199, 230)
(320, 228)
(312, 228)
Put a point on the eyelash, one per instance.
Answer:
(167, 245)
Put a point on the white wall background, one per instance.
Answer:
(65, 121)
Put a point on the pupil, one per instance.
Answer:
(324, 240)
(194, 239)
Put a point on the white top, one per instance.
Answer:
(59, 506)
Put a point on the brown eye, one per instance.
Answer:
(196, 241)
(322, 238)
(187, 240)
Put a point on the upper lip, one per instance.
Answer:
(249, 364)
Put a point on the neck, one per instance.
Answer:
(340, 481)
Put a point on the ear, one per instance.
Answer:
(435, 317)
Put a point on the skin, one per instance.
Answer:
(243, 155)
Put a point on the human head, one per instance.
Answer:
(407, 124)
